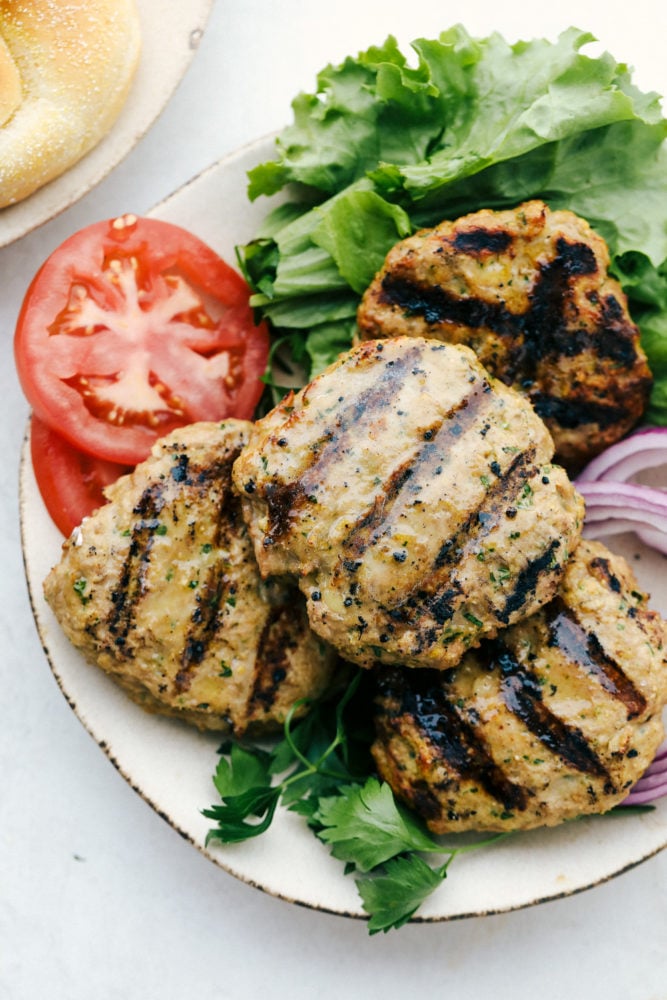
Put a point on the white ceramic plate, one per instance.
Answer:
(170, 35)
(171, 766)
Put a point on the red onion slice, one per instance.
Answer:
(639, 798)
(645, 449)
(653, 783)
(628, 497)
(613, 507)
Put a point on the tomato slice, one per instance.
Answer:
(133, 327)
(70, 481)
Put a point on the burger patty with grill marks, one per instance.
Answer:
(413, 498)
(556, 718)
(160, 588)
(528, 289)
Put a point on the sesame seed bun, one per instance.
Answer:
(66, 67)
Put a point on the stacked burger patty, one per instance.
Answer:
(407, 506)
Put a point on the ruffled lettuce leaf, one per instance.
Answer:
(386, 145)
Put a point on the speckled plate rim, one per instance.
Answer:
(170, 766)
(171, 33)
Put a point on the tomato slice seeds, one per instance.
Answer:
(131, 328)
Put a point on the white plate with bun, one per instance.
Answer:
(81, 81)
(171, 766)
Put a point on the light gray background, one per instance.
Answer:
(99, 898)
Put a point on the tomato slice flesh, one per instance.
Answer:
(70, 482)
(131, 328)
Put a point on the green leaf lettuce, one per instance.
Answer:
(386, 145)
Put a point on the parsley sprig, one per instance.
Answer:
(310, 761)
(377, 837)
(320, 769)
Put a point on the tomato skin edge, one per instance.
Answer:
(60, 406)
(70, 482)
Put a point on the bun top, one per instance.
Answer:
(66, 67)
(10, 84)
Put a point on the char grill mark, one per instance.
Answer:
(132, 584)
(585, 650)
(372, 525)
(132, 581)
(283, 500)
(437, 305)
(480, 241)
(601, 568)
(216, 588)
(612, 339)
(366, 531)
(527, 581)
(571, 413)
(441, 604)
(502, 493)
(542, 327)
(203, 628)
(456, 741)
(522, 694)
(272, 662)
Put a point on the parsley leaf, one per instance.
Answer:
(622, 810)
(243, 769)
(232, 828)
(393, 897)
(310, 759)
(364, 825)
(322, 770)
(244, 782)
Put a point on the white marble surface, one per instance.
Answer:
(98, 896)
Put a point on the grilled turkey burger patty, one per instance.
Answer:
(413, 498)
(556, 718)
(528, 289)
(160, 588)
